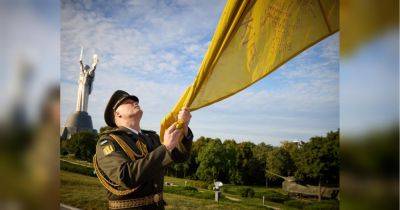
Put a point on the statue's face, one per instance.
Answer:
(87, 67)
(129, 110)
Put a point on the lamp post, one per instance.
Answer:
(217, 190)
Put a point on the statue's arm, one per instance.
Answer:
(80, 62)
(94, 64)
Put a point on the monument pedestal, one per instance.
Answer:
(77, 122)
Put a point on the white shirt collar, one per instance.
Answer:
(133, 130)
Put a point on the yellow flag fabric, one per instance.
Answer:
(252, 39)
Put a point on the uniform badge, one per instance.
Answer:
(108, 149)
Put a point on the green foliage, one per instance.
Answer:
(66, 166)
(232, 189)
(318, 160)
(259, 192)
(261, 151)
(210, 186)
(323, 205)
(247, 192)
(313, 205)
(300, 204)
(246, 163)
(211, 161)
(82, 145)
(231, 171)
(188, 168)
(63, 151)
(229, 163)
(189, 188)
(180, 169)
(197, 184)
(280, 162)
(292, 148)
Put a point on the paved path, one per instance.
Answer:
(66, 207)
(72, 162)
(231, 198)
(273, 207)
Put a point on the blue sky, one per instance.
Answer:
(369, 86)
(30, 34)
(153, 49)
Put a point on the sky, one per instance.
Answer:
(153, 49)
(369, 86)
(29, 36)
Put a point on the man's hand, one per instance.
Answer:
(185, 116)
(171, 137)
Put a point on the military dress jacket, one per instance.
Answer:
(146, 173)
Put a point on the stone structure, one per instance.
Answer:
(80, 120)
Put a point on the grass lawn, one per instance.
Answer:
(87, 193)
(82, 191)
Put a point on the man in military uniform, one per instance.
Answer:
(130, 162)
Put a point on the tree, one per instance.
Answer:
(279, 162)
(197, 146)
(247, 163)
(83, 145)
(231, 172)
(211, 161)
(261, 152)
(292, 148)
(318, 160)
(181, 169)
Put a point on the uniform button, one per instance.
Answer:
(155, 185)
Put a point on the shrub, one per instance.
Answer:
(189, 188)
(82, 145)
(300, 204)
(324, 205)
(197, 184)
(247, 192)
(63, 151)
(66, 166)
(210, 186)
(275, 196)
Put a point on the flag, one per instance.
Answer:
(252, 39)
